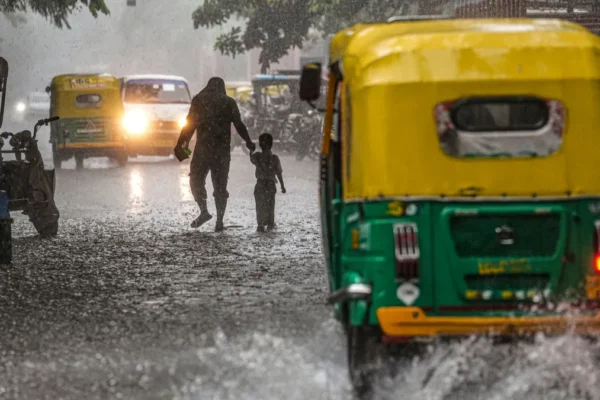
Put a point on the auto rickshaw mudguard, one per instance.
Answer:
(358, 310)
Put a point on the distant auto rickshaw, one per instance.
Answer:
(243, 94)
(232, 87)
(91, 114)
(459, 193)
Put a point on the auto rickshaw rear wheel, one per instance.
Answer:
(5, 243)
(366, 356)
(79, 161)
(56, 159)
(122, 159)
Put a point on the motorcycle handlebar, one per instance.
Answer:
(47, 120)
(43, 122)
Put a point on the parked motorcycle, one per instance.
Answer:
(27, 185)
(306, 134)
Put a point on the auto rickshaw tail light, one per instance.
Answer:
(407, 254)
(597, 246)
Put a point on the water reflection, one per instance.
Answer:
(136, 189)
(184, 187)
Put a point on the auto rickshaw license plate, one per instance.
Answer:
(592, 286)
(85, 83)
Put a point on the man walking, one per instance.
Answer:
(211, 114)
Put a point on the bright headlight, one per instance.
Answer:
(182, 122)
(21, 107)
(135, 121)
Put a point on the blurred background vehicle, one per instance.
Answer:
(156, 108)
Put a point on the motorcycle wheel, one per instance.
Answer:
(5, 244)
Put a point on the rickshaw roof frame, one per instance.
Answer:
(105, 77)
(127, 78)
(415, 18)
(236, 84)
(344, 43)
(58, 82)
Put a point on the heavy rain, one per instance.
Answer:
(127, 300)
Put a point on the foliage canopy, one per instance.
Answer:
(55, 10)
(276, 26)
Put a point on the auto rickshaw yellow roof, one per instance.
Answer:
(94, 82)
(75, 76)
(372, 41)
(398, 73)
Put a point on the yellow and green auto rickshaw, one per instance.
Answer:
(460, 193)
(91, 114)
(232, 87)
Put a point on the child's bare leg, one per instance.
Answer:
(271, 207)
(259, 198)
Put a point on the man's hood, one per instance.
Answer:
(215, 85)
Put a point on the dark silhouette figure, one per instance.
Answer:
(211, 114)
(268, 170)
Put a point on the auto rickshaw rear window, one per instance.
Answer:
(500, 127)
(88, 101)
(490, 115)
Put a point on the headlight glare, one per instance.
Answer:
(135, 121)
(182, 122)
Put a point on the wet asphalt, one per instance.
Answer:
(129, 302)
(128, 291)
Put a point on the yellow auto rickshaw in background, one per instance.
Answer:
(243, 93)
(91, 113)
(460, 192)
(232, 87)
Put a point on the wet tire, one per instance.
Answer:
(122, 159)
(79, 162)
(5, 243)
(56, 160)
(365, 358)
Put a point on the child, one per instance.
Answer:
(268, 170)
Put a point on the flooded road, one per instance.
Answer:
(129, 302)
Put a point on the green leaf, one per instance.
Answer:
(56, 11)
(277, 26)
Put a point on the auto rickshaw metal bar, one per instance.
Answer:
(86, 145)
(355, 291)
(412, 321)
(328, 124)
